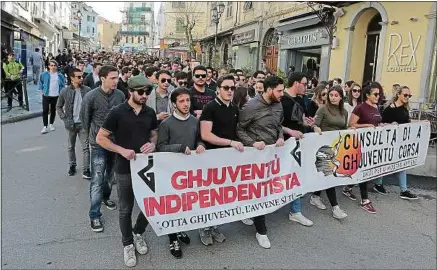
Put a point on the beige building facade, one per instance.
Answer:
(106, 33)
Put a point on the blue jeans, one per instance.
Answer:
(102, 178)
(295, 206)
(401, 176)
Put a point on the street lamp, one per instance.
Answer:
(79, 15)
(216, 14)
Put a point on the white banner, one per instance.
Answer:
(177, 192)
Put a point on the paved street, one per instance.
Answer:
(45, 223)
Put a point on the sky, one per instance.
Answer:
(111, 10)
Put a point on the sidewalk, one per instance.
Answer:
(18, 113)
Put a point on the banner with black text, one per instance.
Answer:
(178, 192)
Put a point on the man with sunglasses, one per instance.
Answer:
(68, 107)
(200, 94)
(218, 128)
(130, 128)
(159, 98)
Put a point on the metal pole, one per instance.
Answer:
(215, 41)
(80, 25)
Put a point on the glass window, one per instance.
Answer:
(229, 9)
(179, 25)
(248, 5)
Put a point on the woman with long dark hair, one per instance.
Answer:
(367, 115)
(240, 97)
(331, 116)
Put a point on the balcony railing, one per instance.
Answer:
(133, 33)
(139, 9)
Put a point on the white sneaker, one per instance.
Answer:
(130, 260)
(299, 218)
(51, 127)
(44, 130)
(317, 202)
(247, 221)
(338, 213)
(140, 244)
(263, 240)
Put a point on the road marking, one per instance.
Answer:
(31, 149)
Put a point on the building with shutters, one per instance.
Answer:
(137, 28)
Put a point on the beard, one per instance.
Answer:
(139, 101)
(274, 99)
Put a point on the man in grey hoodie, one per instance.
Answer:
(259, 124)
(180, 133)
(95, 107)
(68, 107)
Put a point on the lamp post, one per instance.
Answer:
(216, 13)
(79, 15)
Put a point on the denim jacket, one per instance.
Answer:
(44, 82)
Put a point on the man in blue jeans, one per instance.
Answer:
(96, 105)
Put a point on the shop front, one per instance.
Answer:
(245, 44)
(307, 49)
(390, 43)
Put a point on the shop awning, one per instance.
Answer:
(299, 23)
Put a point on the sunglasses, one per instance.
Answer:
(146, 91)
(182, 83)
(227, 88)
(197, 76)
(323, 94)
(407, 95)
(356, 90)
(165, 80)
(79, 77)
(375, 94)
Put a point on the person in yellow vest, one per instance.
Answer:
(13, 69)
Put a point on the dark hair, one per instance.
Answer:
(350, 97)
(135, 72)
(36, 49)
(105, 70)
(162, 71)
(294, 77)
(272, 82)
(177, 92)
(180, 75)
(240, 97)
(292, 68)
(338, 80)
(80, 62)
(368, 90)
(255, 74)
(328, 103)
(232, 70)
(349, 83)
(150, 70)
(73, 71)
(314, 82)
(125, 70)
(238, 70)
(199, 68)
(224, 78)
(210, 68)
(96, 64)
(325, 83)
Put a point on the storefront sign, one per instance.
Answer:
(402, 55)
(245, 37)
(300, 39)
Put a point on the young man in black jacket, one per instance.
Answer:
(92, 78)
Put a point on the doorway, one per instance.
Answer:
(372, 46)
